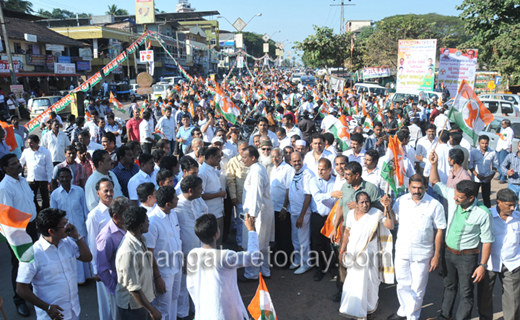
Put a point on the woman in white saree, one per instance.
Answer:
(360, 252)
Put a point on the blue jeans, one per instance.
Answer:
(516, 189)
(502, 154)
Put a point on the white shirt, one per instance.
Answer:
(482, 162)
(466, 144)
(53, 276)
(508, 140)
(374, 177)
(415, 134)
(338, 183)
(298, 190)
(312, 164)
(114, 128)
(281, 178)
(211, 184)
(90, 188)
(145, 130)
(187, 212)
(332, 149)
(214, 289)
(56, 145)
(353, 158)
(17, 194)
(417, 225)
(96, 220)
(506, 248)
(134, 182)
(322, 202)
(293, 131)
(164, 236)
(166, 126)
(284, 142)
(424, 146)
(307, 106)
(73, 203)
(229, 150)
(93, 146)
(39, 164)
(270, 134)
(439, 122)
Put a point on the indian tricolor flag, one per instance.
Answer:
(261, 307)
(393, 171)
(226, 107)
(117, 105)
(341, 133)
(324, 111)
(12, 227)
(469, 113)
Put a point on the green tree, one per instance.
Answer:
(324, 48)
(44, 13)
(255, 45)
(495, 29)
(112, 10)
(18, 5)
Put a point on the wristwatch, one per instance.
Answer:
(79, 238)
(483, 265)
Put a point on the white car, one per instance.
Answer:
(133, 91)
(369, 87)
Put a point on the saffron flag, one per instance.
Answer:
(12, 227)
(469, 113)
(10, 139)
(393, 171)
(117, 105)
(261, 307)
(327, 228)
(192, 109)
(341, 133)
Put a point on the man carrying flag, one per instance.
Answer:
(213, 287)
(15, 193)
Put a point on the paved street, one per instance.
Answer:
(294, 297)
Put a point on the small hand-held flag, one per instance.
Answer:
(261, 307)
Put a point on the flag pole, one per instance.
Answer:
(443, 127)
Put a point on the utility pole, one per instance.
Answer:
(342, 16)
(8, 51)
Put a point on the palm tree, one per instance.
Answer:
(112, 10)
(19, 5)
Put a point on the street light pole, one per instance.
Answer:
(8, 50)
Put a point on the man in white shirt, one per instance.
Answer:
(318, 152)
(441, 121)
(504, 260)
(299, 197)
(39, 170)
(84, 137)
(146, 165)
(147, 195)
(103, 164)
(54, 285)
(415, 132)
(262, 131)
(257, 203)
(289, 126)
(371, 171)
(55, 141)
(425, 145)
(189, 208)
(214, 289)
(281, 177)
(15, 192)
(163, 240)
(146, 132)
(167, 126)
(283, 139)
(356, 153)
(418, 247)
(113, 126)
(71, 199)
(504, 145)
(483, 164)
(98, 217)
(213, 193)
(321, 187)
(229, 149)
(208, 128)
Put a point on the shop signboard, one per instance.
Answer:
(64, 68)
(83, 65)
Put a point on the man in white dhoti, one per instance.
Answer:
(258, 204)
(189, 208)
(360, 250)
(299, 196)
(213, 286)
(421, 223)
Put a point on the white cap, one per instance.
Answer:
(300, 143)
(217, 139)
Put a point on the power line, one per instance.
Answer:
(342, 16)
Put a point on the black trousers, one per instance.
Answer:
(282, 238)
(485, 188)
(228, 213)
(31, 230)
(319, 242)
(43, 186)
(146, 147)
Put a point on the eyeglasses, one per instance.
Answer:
(66, 225)
(266, 149)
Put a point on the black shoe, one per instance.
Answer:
(337, 297)
(23, 310)
(395, 316)
(242, 278)
(318, 275)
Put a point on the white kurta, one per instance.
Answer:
(257, 203)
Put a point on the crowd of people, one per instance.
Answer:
(148, 208)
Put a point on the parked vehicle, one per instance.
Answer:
(133, 91)
(500, 107)
(171, 80)
(513, 98)
(296, 77)
(39, 105)
(159, 90)
(369, 87)
(495, 127)
(308, 80)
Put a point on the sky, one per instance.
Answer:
(294, 18)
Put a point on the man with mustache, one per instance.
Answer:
(421, 223)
